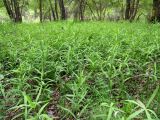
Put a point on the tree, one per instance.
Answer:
(98, 8)
(56, 9)
(62, 10)
(82, 9)
(13, 10)
(52, 9)
(128, 7)
(134, 9)
(18, 16)
(156, 11)
(131, 9)
(40, 11)
(80, 6)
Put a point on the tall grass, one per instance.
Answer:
(68, 70)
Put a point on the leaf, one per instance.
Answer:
(152, 96)
(1, 77)
(111, 109)
(153, 113)
(148, 115)
(42, 108)
(17, 116)
(39, 94)
(135, 114)
(141, 104)
(29, 100)
(99, 116)
(104, 104)
(83, 110)
(132, 101)
(45, 117)
(67, 110)
(2, 90)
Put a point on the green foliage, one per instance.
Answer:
(94, 9)
(1, 4)
(68, 70)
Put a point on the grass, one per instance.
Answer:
(90, 71)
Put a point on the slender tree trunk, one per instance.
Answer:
(100, 11)
(76, 11)
(127, 11)
(36, 14)
(135, 7)
(92, 12)
(18, 16)
(97, 10)
(9, 10)
(40, 11)
(132, 7)
(156, 11)
(13, 10)
(50, 15)
(122, 12)
(56, 9)
(81, 9)
(62, 9)
(52, 10)
(104, 13)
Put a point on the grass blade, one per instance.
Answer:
(152, 96)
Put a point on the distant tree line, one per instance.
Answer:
(81, 10)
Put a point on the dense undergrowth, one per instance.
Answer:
(87, 71)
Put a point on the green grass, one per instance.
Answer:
(90, 71)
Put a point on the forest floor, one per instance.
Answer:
(85, 71)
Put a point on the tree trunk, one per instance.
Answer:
(76, 11)
(36, 14)
(56, 9)
(9, 10)
(52, 10)
(100, 10)
(18, 16)
(135, 7)
(97, 10)
(156, 11)
(131, 9)
(81, 9)
(13, 10)
(128, 7)
(40, 11)
(62, 9)
(92, 12)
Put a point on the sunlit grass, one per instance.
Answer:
(93, 70)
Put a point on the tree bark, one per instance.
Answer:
(9, 10)
(18, 16)
(97, 10)
(127, 11)
(135, 7)
(62, 9)
(131, 9)
(56, 9)
(81, 9)
(13, 10)
(92, 12)
(40, 11)
(156, 11)
(52, 10)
